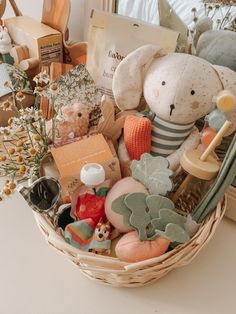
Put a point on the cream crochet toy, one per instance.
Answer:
(178, 88)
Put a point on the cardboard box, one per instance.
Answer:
(70, 158)
(44, 42)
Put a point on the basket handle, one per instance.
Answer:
(15, 8)
(2, 8)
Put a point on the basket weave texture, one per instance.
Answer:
(112, 271)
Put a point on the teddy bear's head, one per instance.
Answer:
(75, 121)
(77, 113)
(178, 88)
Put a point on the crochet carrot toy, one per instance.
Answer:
(137, 136)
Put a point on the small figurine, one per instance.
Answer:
(100, 242)
(87, 236)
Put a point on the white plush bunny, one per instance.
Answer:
(178, 88)
(5, 41)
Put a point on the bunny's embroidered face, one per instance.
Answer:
(178, 88)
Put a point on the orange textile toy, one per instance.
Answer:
(137, 136)
(90, 206)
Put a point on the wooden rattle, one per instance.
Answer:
(201, 165)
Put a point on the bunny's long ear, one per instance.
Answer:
(228, 81)
(127, 82)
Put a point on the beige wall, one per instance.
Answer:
(80, 10)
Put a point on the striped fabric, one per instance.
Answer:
(167, 137)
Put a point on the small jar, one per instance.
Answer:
(193, 180)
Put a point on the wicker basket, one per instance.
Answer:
(112, 271)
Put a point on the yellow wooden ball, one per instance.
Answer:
(226, 101)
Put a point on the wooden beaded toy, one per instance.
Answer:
(201, 165)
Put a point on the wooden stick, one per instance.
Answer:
(182, 187)
(216, 141)
(203, 158)
(15, 8)
(2, 7)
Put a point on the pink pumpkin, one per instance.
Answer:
(130, 249)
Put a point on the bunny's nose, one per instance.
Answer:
(172, 107)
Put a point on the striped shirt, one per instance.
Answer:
(167, 137)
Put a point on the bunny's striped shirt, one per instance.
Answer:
(167, 137)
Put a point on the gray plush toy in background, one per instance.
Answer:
(216, 46)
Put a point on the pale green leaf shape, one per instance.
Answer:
(139, 218)
(174, 233)
(191, 226)
(119, 207)
(152, 216)
(157, 202)
(153, 173)
(168, 216)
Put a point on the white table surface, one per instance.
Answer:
(35, 279)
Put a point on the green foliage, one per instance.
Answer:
(151, 216)
(153, 173)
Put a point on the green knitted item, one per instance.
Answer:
(223, 180)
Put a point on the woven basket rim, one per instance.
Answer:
(99, 267)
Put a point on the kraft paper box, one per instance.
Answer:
(44, 42)
(72, 157)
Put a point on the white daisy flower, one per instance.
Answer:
(42, 77)
(6, 105)
(20, 96)
(39, 91)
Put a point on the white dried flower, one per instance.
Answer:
(53, 89)
(39, 91)
(6, 105)
(20, 96)
(42, 77)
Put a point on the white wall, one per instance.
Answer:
(80, 11)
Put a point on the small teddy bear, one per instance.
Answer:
(75, 122)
